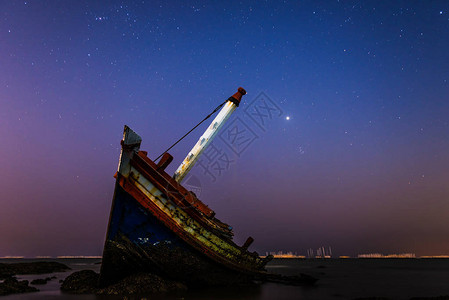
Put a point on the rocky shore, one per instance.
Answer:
(85, 282)
(41, 267)
(11, 285)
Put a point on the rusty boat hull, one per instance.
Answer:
(158, 226)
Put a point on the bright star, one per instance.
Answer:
(287, 118)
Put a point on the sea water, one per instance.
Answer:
(338, 279)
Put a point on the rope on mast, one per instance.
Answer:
(207, 117)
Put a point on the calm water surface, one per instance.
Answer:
(338, 279)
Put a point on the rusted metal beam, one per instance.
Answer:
(248, 242)
(164, 162)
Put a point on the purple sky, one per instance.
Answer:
(361, 165)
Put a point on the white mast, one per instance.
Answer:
(209, 134)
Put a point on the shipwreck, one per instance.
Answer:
(157, 226)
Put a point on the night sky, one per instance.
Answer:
(346, 118)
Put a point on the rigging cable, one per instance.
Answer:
(207, 117)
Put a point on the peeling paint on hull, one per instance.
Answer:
(157, 226)
(139, 242)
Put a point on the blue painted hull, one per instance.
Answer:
(138, 242)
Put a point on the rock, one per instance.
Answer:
(41, 267)
(40, 281)
(81, 282)
(12, 286)
(143, 283)
(85, 282)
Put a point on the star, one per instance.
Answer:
(287, 118)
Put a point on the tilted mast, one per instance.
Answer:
(191, 158)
